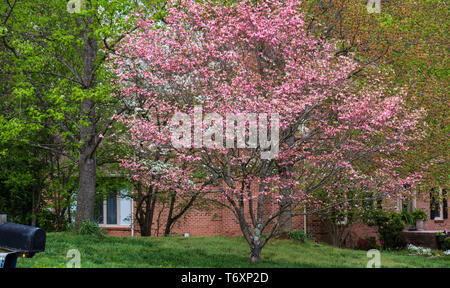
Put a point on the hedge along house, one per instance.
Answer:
(116, 214)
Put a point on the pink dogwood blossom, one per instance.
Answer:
(259, 58)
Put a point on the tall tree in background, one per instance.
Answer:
(411, 38)
(57, 64)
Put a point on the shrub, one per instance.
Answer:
(390, 225)
(91, 228)
(299, 235)
(70, 227)
(46, 220)
(446, 244)
(366, 243)
(440, 238)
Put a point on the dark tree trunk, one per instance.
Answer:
(171, 219)
(285, 218)
(158, 219)
(60, 216)
(255, 254)
(142, 216)
(87, 163)
(253, 237)
(286, 201)
(36, 201)
(69, 213)
(87, 169)
(151, 212)
(146, 210)
(169, 216)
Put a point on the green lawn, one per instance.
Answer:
(208, 252)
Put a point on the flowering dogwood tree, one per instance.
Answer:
(252, 60)
(155, 170)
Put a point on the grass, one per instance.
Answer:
(208, 252)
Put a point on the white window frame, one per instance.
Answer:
(441, 206)
(400, 202)
(104, 224)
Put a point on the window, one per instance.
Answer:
(438, 204)
(114, 210)
(406, 204)
(111, 210)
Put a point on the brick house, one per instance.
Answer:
(115, 216)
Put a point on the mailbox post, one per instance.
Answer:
(3, 219)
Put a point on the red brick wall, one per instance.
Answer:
(221, 222)
(196, 222)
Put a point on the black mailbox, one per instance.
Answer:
(8, 260)
(19, 240)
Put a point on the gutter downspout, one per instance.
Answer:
(132, 217)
